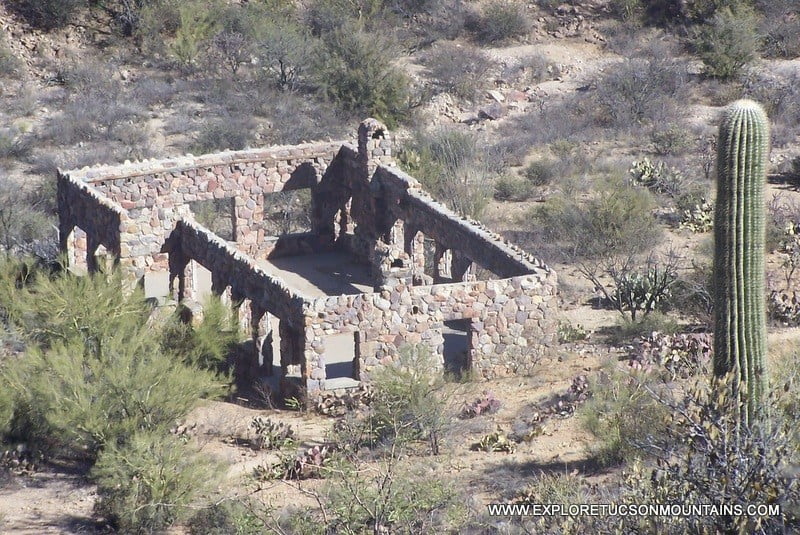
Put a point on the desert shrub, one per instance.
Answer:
(705, 457)
(148, 483)
(626, 330)
(512, 189)
(453, 166)
(234, 133)
(9, 63)
(461, 70)
(285, 52)
(79, 401)
(20, 220)
(207, 344)
(622, 415)
(94, 373)
(409, 402)
(541, 172)
(196, 25)
(675, 12)
(617, 219)
(781, 100)
(48, 14)
(14, 144)
(357, 74)
(727, 43)
(96, 109)
(498, 21)
(780, 28)
(225, 518)
(671, 139)
(627, 10)
(388, 499)
(640, 90)
(323, 16)
(529, 70)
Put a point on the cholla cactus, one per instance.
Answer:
(739, 246)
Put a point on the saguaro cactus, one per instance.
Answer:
(739, 227)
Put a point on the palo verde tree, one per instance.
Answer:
(739, 244)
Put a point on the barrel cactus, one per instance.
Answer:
(739, 246)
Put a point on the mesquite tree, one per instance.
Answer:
(739, 234)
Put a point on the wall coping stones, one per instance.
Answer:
(102, 172)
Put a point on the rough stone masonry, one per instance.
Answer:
(428, 266)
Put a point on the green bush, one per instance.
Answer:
(453, 167)
(627, 10)
(389, 500)
(196, 25)
(9, 63)
(80, 401)
(541, 172)
(459, 70)
(500, 20)
(355, 71)
(408, 402)
(147, 484)
(48, 14)
(512, 189)
(225, 518)
(207, 344)
(727, 43)
(285, 52)
(623, 416)
(94, 373)
(705, 457)
(617, 220)
(228, 133)
(323, 16)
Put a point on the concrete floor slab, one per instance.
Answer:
(318, 275)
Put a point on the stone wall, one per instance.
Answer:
(511, 323)
(156, 194)
(87, 220)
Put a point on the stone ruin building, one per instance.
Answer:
(379, 263)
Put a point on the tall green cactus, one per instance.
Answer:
(739, 244)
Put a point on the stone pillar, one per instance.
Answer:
(178, 268)
(461, 268)
(262, 339)
(291, 348)
(92, 244)
(441, 264)
(374, 145)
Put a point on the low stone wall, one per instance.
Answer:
(231, 268)
(420, 212)
(511, 323)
